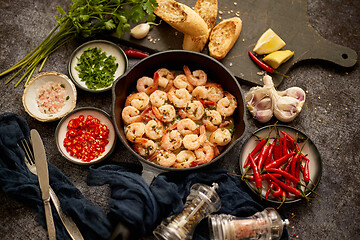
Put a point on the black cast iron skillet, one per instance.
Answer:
(175, 60)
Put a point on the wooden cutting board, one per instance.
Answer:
(287, 18)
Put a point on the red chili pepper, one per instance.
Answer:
(283, 198)
(207, 103)
(264, 66)
(270, 154)
(136, 54)
(266, 175)
(257, 148)
(264, 151)
(277, 153)
(277, 192)
(286, 187)
(284, 146)
(306, 172)
(263, 154)
(263, 176)
(267, 193)
(280, 161)
(257, 176)
(296, 161)
(289, 138)
(286, 175)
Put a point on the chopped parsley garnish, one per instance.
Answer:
(96, 69)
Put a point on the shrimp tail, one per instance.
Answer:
(152, 88)
(169, 86)
(147, 114)
(157, 113)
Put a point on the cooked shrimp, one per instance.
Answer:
(130, 115)
(215, 92)
(165, 78)
(165, 158)
(204, 154)
(196, 78)
(181, 82)
(193, 110)
(194, 141)
(145, 147)
(186, 126)
(179, 97)
(154, 129)
(200, 92)
(147, 84)
(184, 159)
(165, 113)
(134, 131)
(220, 137)
(158, 98)
(212, 119)
(171, 140)
(139, 100)
(227, 105)
(165, 73)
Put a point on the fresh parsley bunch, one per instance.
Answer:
(85, 18)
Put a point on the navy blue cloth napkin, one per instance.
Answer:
(18, 182)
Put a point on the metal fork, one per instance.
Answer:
(69, 224)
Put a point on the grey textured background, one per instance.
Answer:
(330, 118)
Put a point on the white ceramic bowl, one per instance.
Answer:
(29, 98)
(109, 48)
(61, 130)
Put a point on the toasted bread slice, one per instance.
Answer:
(181, 17)
(207, 9)
(223, 37)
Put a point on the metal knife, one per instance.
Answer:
(43, 176)
(69, 224)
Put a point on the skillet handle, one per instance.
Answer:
(149, 173)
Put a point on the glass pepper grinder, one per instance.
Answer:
(201, 202)
(265, 225)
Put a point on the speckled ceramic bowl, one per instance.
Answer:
(30, 96)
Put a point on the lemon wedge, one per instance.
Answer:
(268, 42)
(275, 59)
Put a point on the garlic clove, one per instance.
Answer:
(294, 92)
(140, 31)
(259, 103)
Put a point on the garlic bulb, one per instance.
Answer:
(264, 102)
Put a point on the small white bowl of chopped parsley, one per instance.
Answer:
(95, 65)
(49, 96)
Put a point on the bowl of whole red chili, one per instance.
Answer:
(86, 136)
(281, 164)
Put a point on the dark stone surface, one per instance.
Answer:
(330, 118)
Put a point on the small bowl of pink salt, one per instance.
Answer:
(49, 96)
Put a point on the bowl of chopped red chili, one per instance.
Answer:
(86, 136)
(281, 164)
